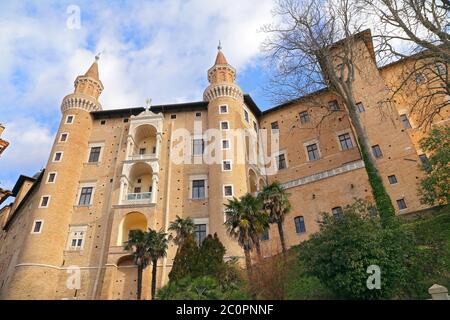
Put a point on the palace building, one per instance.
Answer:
(112, 171)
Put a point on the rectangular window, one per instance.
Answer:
(401, 204)
(228, 191)
(94, 156)
(198, 114)
(304, 117)
(337, 212)
(125, 120)
(198, 189)
(69, 119)
(37, 226)
(225, 144)
(345, 141)
(51, 177)
(274, 125)
(313, 151)
(85, 196)
(44, 202)
(281, 161)
(246, 117)
(142, 151)
(226, 165)
(360, 107)
(300, 224)
(173, 116)
(137, 189)
(333, 105)
(425, 162)
(57, 157)
(103, 122)
(200, 233)
(255, 126)
(392, 179)
(198, 147)
(76, 238)
(441, 69)
(405, 121)
(63, 137)
(223, 109)
(224, 125)
(376, 151)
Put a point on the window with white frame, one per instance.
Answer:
(86, 194)
(63, 137)
(360, 107)
(226, 165)
(313, 151)
(198, 147)
(37, 226)
(281, 161)
(228, 190)
(246, 116)
(69, 119)
(198, 189)
(225, 144)
(45, 201)
(76, 237)
(94, 154)
(57, 157)
(224, 125)
(345, 141)
(51, 177)
(201, 226)
(223, 109)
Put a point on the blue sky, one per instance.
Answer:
(157, 49)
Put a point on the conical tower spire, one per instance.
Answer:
(93, 70)
(89, 83)
(220, 59)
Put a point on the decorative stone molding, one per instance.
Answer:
(80, 101)
(324, 174)
(215, 91)
(85, 81)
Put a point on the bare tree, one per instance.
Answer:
(314, 47)
(416, 30)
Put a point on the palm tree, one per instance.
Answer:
(182, 228)
(276, 203)
(138, 241)
(246, 222)
(157, 248)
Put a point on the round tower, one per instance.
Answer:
(226, 113)
(42, 256)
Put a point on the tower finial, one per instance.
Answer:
(148, 103)
(220, 46)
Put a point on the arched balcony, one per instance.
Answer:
(139, 183)
(143, 143)
(132, 221)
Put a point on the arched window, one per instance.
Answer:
(300, 224)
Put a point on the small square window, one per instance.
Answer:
(173, 116)
(51, 177)
(198, 114)
(125, 120)
(376, 151)
(63, 137)
(37, 226)
(304, 117)
(57, 157)
(142, 151)
(392, 179)
(44, 201)
(69, 119)
(333, 105)
(223, 109)
(274, 125)
(225, 144)
(139, 180)
(360, 107)
(228, 191)
(401, 204)
(224, 125)
(420, 77)
(103, 122)
(226, 165)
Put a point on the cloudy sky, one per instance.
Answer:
(157, 49)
